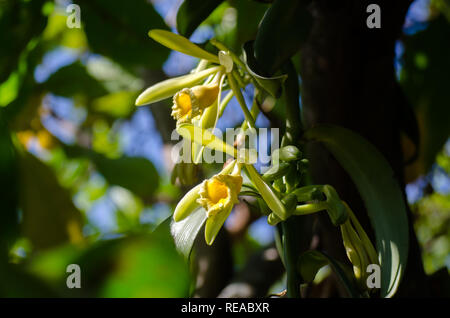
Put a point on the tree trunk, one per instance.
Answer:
(348, 79)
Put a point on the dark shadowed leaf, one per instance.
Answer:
(8, 187)
(381, 194)
(20, 21)
(282, 31)
(17, 283)
(272, 84)
(21, 25)
(118, 29)
(74, 80)
(136, 174)
(192, 13)
(49, 215)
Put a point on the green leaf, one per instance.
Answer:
(181, 44)
(118, 29)
(282, 31)
(185, 232)
(192, 13)
(20, 22)
(148, 266)
(381, 194)
(17, 283)
(310, 262)
(49, 215)
(273, 85)
(144, 265)
(74, 80)
(119, 104)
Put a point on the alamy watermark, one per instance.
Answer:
(74, 18)
(74, 279)
(252, 145)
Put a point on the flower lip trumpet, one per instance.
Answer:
(219, 193)
(190, 102)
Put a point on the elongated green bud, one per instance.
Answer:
(181, 44)
(273, 202)
(168, 88)
(187, 204)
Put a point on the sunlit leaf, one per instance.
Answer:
(119, 104)
(148, 267)
(185, 231)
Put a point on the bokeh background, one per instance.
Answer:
(86, 174)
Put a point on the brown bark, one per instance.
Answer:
(348, 79)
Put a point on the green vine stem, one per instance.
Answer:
(291, 236)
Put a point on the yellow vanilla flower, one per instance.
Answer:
(190, 102)
(219, 193)
(218, 196)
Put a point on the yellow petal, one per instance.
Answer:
(214, 223)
